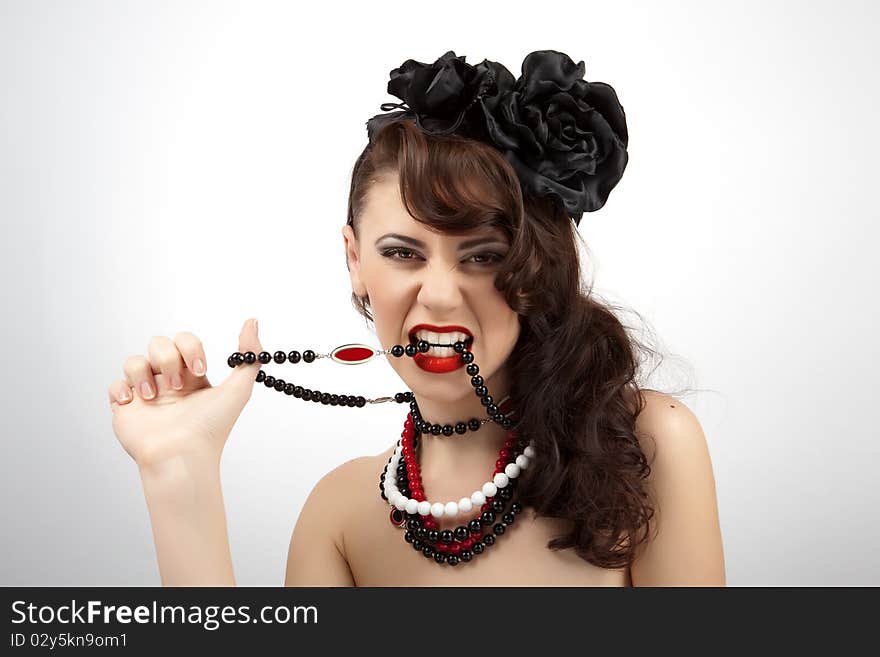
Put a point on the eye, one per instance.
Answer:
(493, 258)
(490, 258)
(390, 253)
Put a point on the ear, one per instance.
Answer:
(353, 262)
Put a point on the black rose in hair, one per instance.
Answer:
(564, 136)
(438, 96)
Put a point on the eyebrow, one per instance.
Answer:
(464, 245)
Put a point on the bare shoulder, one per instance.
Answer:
(362, 463)
(346, 481)
(317, 556)
(686, 549)
(342, 482)
(382, 457)
(667, 419)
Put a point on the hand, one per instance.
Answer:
(182, 414)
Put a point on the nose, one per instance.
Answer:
(440, 289)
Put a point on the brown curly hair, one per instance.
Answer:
(574, 366)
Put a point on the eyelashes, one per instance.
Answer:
(392, 253)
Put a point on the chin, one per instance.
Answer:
(450, 391)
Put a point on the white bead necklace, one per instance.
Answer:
(465, 504)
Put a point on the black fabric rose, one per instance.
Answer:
(564, 136)
(438, 96)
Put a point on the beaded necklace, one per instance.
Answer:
(400, 482)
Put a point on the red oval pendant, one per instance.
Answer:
(352, 354)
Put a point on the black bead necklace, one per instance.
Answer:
(444, 547)
(466, 541)
(356, 354)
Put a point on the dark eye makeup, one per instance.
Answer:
(393, 252)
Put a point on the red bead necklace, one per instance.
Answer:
(418, 493)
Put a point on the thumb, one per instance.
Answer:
(244, 375)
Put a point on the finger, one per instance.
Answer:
(248, 340)
(139, 375)
(165, 357)
(192, 352)
(119, 392)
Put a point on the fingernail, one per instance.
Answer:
(199, 367)
(124, 395)
(256, 328)
(146, 389)
(176, 383)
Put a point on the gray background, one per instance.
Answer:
(185, 166)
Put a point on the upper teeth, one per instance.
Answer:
(442, 338)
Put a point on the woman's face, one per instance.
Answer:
(414, 275)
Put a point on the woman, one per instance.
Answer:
(460, 233)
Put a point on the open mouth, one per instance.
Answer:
(441, 358)
(443, 348)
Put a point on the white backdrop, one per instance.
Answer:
(174, 166)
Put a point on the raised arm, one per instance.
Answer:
(189, 523)
(174, 423)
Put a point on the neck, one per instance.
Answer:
(460, 452)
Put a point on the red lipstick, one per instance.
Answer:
(436, 364)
